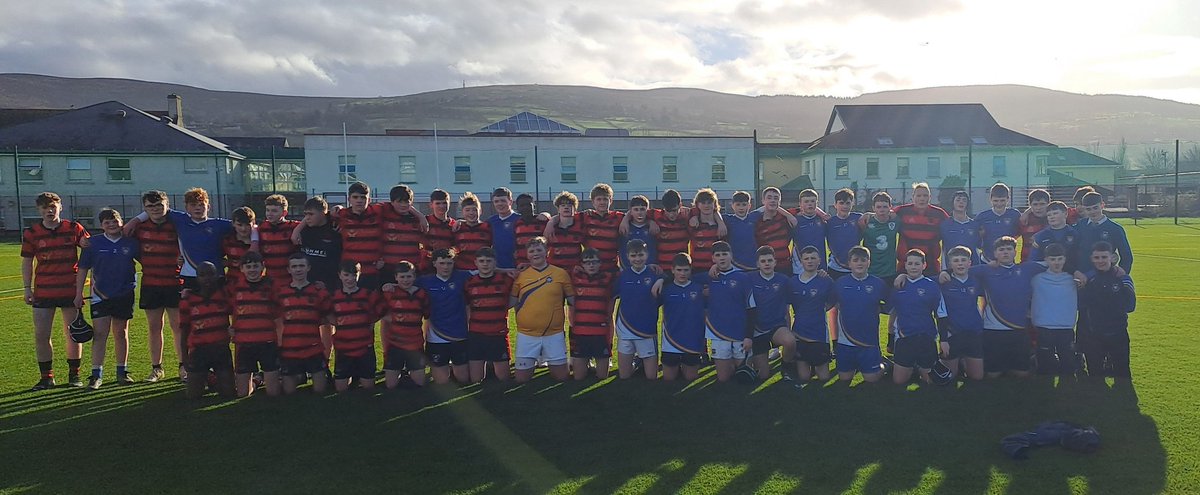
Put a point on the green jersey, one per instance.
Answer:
(880, 238)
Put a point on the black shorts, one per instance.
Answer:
(966, 345)
(53, 302)
(680, 359)
(159, 296)
(493, 348)
(916, 351)
(762, 343)
(249, 358)
(813, 353)
(446, 353)
(190, 283)
(214, 357)
(1006, 350)
(120, 307)
(289, 367)
(355, 367)
(397, 359)
(590, 346)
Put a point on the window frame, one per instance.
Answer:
(79, 159)
(462, 165)
(513, 163)
(841, 168)
(188, 169)
(671, 162)
(1002, 162)
(873, 161)
(907, 167)
(563, 163)
(933, 167)
(411, 174)
(128, 169)
(38, 178)
(624, 163)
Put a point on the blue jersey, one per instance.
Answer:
(448, 306)
(915, 305)
(1065, 237)
(683, 317)
(637, 315)
(731, 291)
(504, 239)
(1107, 230)
(842, 234)
(771, 299)
(199, 241)
(1008, 293)
(810, 300)
(638, 232)
(741, 239)
(858, 303)
(993, 226)
(962, 304)
(809, 231)
(956, 233)
(111, 263)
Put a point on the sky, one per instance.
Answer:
(813, 47)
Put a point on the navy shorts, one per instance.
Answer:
(866, 360)
(916, 351)
(252, 357)
(762, 343)
(214, 357)
(1006, 350)
(291, 367)
(813, 353)
(355, 367)
(670, 359)
(493, 348)
(159, 297)
(120, 307)
(590, 346)
(397, 359)
(53, 302)
(966, 345)
(446, 353)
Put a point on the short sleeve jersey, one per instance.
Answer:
(540, 294)
(56, 257)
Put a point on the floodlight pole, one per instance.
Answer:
(1176, 182)
(17, 183)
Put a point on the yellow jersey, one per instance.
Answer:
(540, 296)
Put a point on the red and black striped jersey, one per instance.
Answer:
(252, 305)
(160, 253)
(602, 233)
(234, 249)
(205, 320)
(487, 304)
(275, 244)
(362, 236)
(56, 257)
(592, 313)
(920, 230)
(524, 231)
(402, 236)
(468, 239)
(302, 311)
(439, 236)
(1029, 226)
(777, 233)
(672, 236)
(702, 237)
(567, 246)
(405, 310)
(354, 317)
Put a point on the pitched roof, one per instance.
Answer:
(528, 123)
(17, 116)
(1075, 157)
(917, 126)
(111, 126)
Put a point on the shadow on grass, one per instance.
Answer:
(618, 436)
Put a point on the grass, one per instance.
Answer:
(626, 437)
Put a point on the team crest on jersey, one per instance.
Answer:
(775, 287)
(693, 295)
(450, 286)
(971, 290)
(920, 292)
(1104, 235)
(891, 225)
(870, 289)
(1017, 271)
(125, 251)
(812, 292)
(208, 230)
(646, 281)
(731, 283)
(1070, 239)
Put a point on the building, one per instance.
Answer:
(271, 165)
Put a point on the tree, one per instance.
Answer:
(946, 190)
(1156, 159)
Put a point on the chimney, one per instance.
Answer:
(175, 109)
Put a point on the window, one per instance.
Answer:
(462, 170)
(1043, 162)
(620, 169)
(517, 173)
(872, 168)
(902, 167)
(978, 140)
(842, 168)
(195, 165)
(885, 141)
(670, 169)
(79, 169)
(933, 167)
(408, 170)
(31, 170)
(290, 177)
(119, 171)
(945, 140)
(999, 166)
(718, 169)
(805, 170)
(964, 166)
(347, 169)
(568, 175)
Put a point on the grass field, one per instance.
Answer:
(627, 437)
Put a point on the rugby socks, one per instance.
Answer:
(47, 368)
(73, 365)
(97, 371)
(122, 369)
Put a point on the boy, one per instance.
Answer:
(1032, 221)
(1073, 213)
(1107, 300)
(487, 302)
(403, 337)
(530, 225)
(960, 229)
(1054, 311)
(638, 227)
(859, 298)
(774, 229)
(320, 243)
(403, 230)
(303, 308)
(920, 224)
(503, 223)
(811, 296)
(566, 233)
(999, 221)
(159, 293)
(441, 227)
(728, 327)
(683, 322)
(204, 315)
(1058, 232)
(672, 223)
(110, 259)
(235, 245)
(770, 290)
(960, 331)
(1007, 294)
(914, 307)
(275, 236)
(469, 233)
(704, 228)
(446, 329)
(53, 243)
(591, 316)
(810, 229)
(636, 318)
(255, 342)
(601, 227)
(538, 295)
(740, 225)
(362, 235)
(842, 231)
(880, 231)
(1097, 227)
(354, 310)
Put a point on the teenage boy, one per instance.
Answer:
(565, 233)
(320, 243)
(1074, 213)
(204, 314)
(682, 303)
(362, 235)
(255, 341)
(920, 223)
(810, 229)
(727, 327)
(487, 321)
(49, 263)
(772, 328)
(1058, 232)
(1007, 294)
(403, 229)
(636, 318)
(740, 224)
(446, 329)
(638, 227)
(304, 307)
(1107, 300)
(235, 245)
(354, 310)
(275, 236)
(960, 229)
(1032, 221)
(403, 337)
(591, 316)
(1053, 313)
(441, 228)
(859, 299)
(704, 228)
(915, 307)
(811, 296)
(1096, 227)
(774, 228)
(503, 223)
(538, 295)
(672, 223)
(960, 331)
(999, 221)
(159, 293)
(601, 227)
(470, 234)
(531, 224)
(110, 259)
(842, 231)
(880, 232)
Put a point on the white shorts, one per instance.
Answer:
(550, 348)
(724, 349)
(642, 348)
